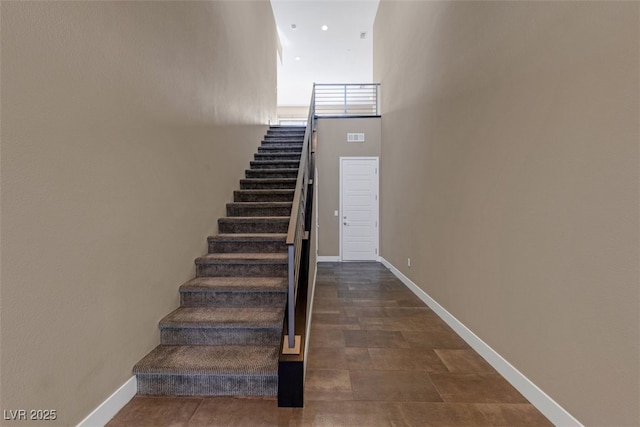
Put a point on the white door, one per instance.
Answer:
(359, 208)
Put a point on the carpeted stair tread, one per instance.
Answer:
(274, 164)
(272, 171)
(264, 264)
(268, 183)
(282, 135)
(277, 156)
(242, 242)
(286, 141)
(275, 195)
(224, 318)
(254, 218)
(254, 224)
(245, 257)
(239, 292)
(210, 360)
(300, 131)
(253, 284)
(274, 204)
(267, 191)
(258, 208)
(299, 135)
(281, 146)
(280, 149)
(249, 236)
(288, 151)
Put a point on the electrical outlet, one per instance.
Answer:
(408, 262)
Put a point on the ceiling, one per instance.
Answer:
(309, 54)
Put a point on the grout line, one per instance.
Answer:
(194, 412)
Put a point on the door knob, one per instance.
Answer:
(345, 223)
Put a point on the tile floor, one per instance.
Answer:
(377, 357)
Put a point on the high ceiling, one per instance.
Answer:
(339, 54)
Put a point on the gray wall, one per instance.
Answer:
(509, 174)
(125, 128)
(332, 144)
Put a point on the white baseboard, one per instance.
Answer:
(328, 259)
(538, 398)
(112, 405)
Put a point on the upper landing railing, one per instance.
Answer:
(349, 99)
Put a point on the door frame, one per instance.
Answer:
(377, 204)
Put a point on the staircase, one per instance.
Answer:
(224, 338)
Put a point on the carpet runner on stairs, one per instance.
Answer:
(224, 338)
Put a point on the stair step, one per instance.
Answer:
(243, 243)
(285, 139)
(231, 370)
(273, 131)
(259, 209)
(267, 224)
(291, 135)
(222, 326)
(281, 142)
(234, 292)
(299, 135)
(275, 164)
(280, 149)
(263, 195)
(242, 264)
(267, 183)
(277, 156)
(271, 173)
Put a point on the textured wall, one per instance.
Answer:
(332, 144)
(509, 174)
(125, 128)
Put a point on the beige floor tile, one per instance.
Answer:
(476, 388)
(409, 386)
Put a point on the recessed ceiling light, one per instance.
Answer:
(294, 26)
(324, 28)
(297, 58)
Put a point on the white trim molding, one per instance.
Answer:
(112, 405)
(328, 258)
(538, 398)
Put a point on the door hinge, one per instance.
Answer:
(376, 251)
(376, 223)
(376, 170)
(376, 197)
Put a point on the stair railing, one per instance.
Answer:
(346, 99)
(299, 227)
